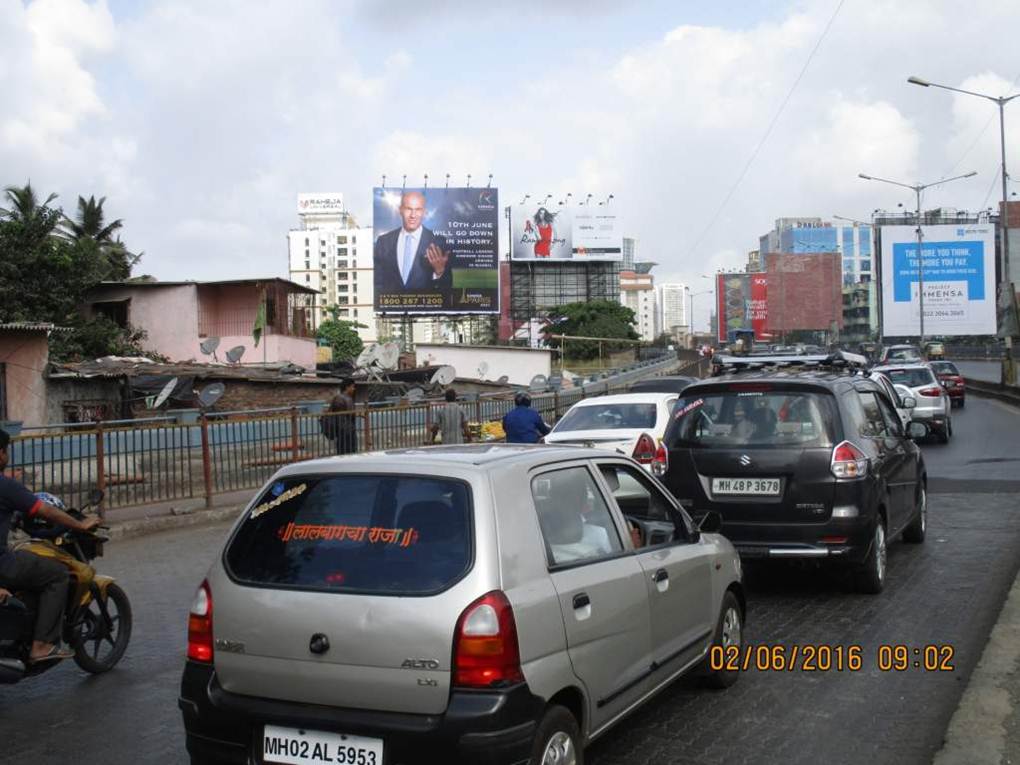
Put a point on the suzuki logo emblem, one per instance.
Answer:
(745, 460)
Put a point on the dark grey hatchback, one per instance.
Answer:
(802, 462)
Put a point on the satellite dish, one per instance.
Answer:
(388, 355)
(210, 394)
(444, 375)
(370, 355)
(415, 394)
(364, 358)
(234, 354)
(165, 393)
(556, 382)
(209, 346)
(503, 380)
(538, 382)
(483, 369)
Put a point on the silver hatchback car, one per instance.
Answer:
(497, 604)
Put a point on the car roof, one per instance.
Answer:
(904, 365)
(646, 397)
(825, 377)
(429, 458)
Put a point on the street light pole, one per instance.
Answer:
(1004, 281)
(917, 188)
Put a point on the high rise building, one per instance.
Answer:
(672, 302)
(793, 236)
(329, 252)
(637, 292)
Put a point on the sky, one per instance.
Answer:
(200, 122)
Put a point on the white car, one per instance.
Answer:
(631, 423)
(901, 397)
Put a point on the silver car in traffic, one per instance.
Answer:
(932, 403)
(505, 603)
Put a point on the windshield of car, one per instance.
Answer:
(753, 418)
(912, 378)
(385, 534)
(608, 417)
(945, 368)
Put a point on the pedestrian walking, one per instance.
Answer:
(522, 424)
(344, 428)
(451, 420)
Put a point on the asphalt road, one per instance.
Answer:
(947, 592)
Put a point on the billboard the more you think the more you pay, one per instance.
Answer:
(957, 269)
(436, 250)
(565, 232)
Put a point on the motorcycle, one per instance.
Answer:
(97, 615)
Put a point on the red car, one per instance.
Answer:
(951, 380)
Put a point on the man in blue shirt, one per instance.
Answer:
(25, 571)
(522, 424)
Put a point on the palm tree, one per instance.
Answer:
(24, 207)
(89, 224)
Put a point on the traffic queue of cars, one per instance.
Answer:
(512, 603)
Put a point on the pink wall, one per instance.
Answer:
(25, 355)
(297, 350)
(168, 314)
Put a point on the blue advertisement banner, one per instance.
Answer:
(436, 250)
(959, 262)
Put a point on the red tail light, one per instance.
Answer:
(661, 462)
(848, 461)
(485, 651)
(200, 634)
(644, 451)
(931, 392)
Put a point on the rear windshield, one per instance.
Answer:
(912, 378)
(903, 354)
(753, 418)
(608, 417)
(945, 368)
(399, 535)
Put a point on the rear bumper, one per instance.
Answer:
(485, 727)
(936, 419)
(849, 540)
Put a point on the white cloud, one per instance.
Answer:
(201, 121)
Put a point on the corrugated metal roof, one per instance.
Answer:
(32, 326)
(116, 367)
(292, 286)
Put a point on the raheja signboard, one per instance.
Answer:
(320, 204)
(957, 269)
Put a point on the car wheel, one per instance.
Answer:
(558, 739)
(871, 576)
(914, 533)
(962, 402)
(943, 435)
(729, 631)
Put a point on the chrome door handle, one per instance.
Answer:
(660, 576)
(581, 600)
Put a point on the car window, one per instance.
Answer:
(893, 425)
(890, 391)
(874, 424)
(644, 505)
(912, 378)
(608, 416)
(576, 523)
(385, 534)
(752, 416)
(945, 368)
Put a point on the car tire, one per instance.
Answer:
(962, 402)
(558, 739)
(729, 631)
(943, 435)
(914, 533)
(872, 573)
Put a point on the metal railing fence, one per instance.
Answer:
(149, 461)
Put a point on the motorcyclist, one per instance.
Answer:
(23, 570)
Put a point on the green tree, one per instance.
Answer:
(90, 224)
(23, 207)
(596, 318)
(100, 336)
(342, 337)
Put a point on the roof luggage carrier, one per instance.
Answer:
(837, 360)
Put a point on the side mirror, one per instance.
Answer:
(909, 402)
(917, 430)
(711, 523)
